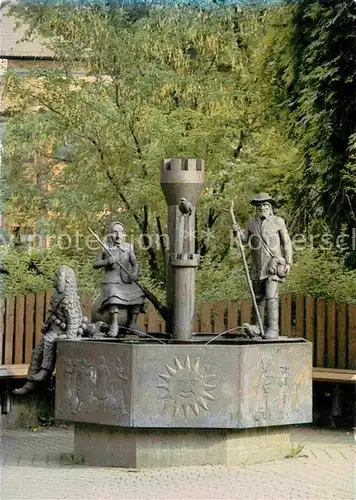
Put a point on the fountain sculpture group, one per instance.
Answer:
(181, 398)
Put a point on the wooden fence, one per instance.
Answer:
(330, 326)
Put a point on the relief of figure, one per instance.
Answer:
(121, 298)
(271, 254)
(68, 387)
(65, 320)
(284, 400)
(272, 390)
(261, 413)
(102, 383)
(79, 386)
(117, 394)
(84, 395)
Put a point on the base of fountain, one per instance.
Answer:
(109, 446)
(148, 404)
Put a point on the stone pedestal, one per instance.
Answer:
(109, 446)
(27, 412)
(150, 404)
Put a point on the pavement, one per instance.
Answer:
(39, 465)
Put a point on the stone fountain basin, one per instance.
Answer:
(227, 384)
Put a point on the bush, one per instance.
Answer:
(321, 273)
(32, 270)
(315, 272)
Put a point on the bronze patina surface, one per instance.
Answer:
(151, 385)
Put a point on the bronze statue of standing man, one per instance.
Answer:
(271, 255)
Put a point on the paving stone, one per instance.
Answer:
(40, 466)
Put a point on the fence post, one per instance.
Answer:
(2, 328)
(320, 333)
(152, 319)
(286, 314)
(29, 326)
(246, 311)
(206, 318)
(299, 316)
(232, 315)
(219, 316)
(86, 302)
(331, 335)
(19, 329)
(351, 351)
(341, 335)
(39, 316)
(9, 329)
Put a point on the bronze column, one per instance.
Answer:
(182, 181)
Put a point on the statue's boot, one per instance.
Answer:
(114, 327)
(256, 330)
(42, 375)
(48, 362)
(133, 327)
(25, 389)
(272, 319)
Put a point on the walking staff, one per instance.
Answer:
(163, 310)
(271, 260)
(257, 312)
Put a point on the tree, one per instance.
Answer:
(311, 60)
(128, 91)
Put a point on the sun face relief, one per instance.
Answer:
(186, 388)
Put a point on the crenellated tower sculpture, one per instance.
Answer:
(182, 181)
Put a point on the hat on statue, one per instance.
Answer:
(116, 223)
(261, 198)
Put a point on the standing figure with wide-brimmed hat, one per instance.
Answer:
(271, 256)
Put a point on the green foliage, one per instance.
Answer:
(177, 82)
(223, 281)
(310, 59)
(31, 270)
(315, 272)
(320, 273)
(24, 266)
(264, 95)
(295, 451)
